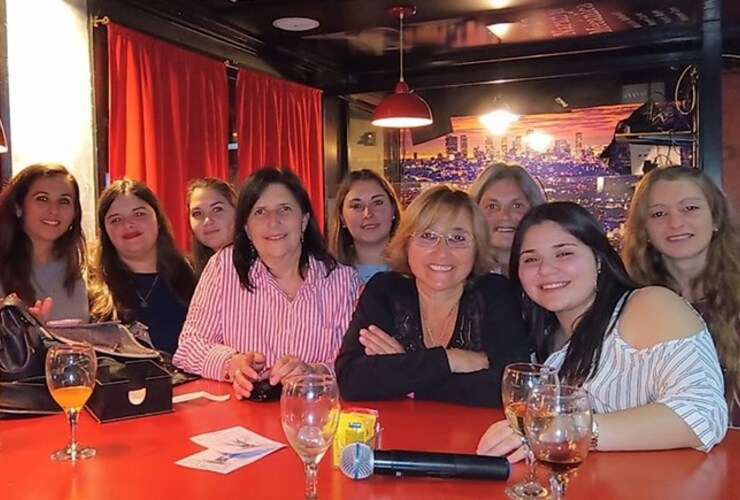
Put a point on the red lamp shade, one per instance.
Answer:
(402, 109)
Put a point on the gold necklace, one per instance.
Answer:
(426, 326)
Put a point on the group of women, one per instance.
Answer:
(413, 304)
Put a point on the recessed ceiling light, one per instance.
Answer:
(295, 23)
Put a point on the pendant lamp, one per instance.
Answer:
(402, 108)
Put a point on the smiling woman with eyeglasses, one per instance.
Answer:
(439, 326)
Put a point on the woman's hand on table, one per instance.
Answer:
(244, 369)
(501, 440)
(377, 342)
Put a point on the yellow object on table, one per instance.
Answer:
(355, 425)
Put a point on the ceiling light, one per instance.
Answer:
(295, 23)
(499, 119)
(402, 108)
(539, 141)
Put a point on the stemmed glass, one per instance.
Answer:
(558, 427)
(309, 411)
(70, 377)
(518, 380)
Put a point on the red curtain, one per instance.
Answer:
(279, 123)
(169, 118)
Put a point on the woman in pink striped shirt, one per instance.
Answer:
(273, 301)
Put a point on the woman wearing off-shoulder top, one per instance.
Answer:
(644, 355)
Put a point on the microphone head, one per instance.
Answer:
(356, 461)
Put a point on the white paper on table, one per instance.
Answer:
(236, 440)
(222, 463)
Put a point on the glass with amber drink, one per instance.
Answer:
(558, 425)
(518, 380)
(70, 377)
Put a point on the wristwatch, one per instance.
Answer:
(594, 435)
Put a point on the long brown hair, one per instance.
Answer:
(202, 253)
(341, 242)
(716, 291)
(612, 282)
(16, 248)
(112, 283)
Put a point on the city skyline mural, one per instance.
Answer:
(561, 150)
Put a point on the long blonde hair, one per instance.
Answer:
(716, 290)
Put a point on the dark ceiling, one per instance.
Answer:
(593, 48)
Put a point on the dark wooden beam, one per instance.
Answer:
(710, 92)
(555, 66)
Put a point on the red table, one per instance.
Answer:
(136, 459)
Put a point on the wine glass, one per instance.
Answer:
(309, 411)
(70, 377)
(518, 380)
(558, 427)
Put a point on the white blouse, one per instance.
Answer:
(683, 374)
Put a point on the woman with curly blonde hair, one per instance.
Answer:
(681, 233)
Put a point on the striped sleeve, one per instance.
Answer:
(201, 348)
(689, 381)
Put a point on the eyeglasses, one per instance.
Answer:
(454, 239)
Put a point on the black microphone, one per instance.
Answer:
(359, 461)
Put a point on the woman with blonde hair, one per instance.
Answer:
(505, 193)
(440, 326)
(681, 233)
(365, 217)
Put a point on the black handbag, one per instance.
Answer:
(22, 349)
(23, 346)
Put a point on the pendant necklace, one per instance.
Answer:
(427, 327)
(144, 300)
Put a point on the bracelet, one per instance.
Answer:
(227, 365)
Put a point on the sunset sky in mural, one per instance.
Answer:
(596, 124)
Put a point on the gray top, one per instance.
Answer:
(47, 279)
